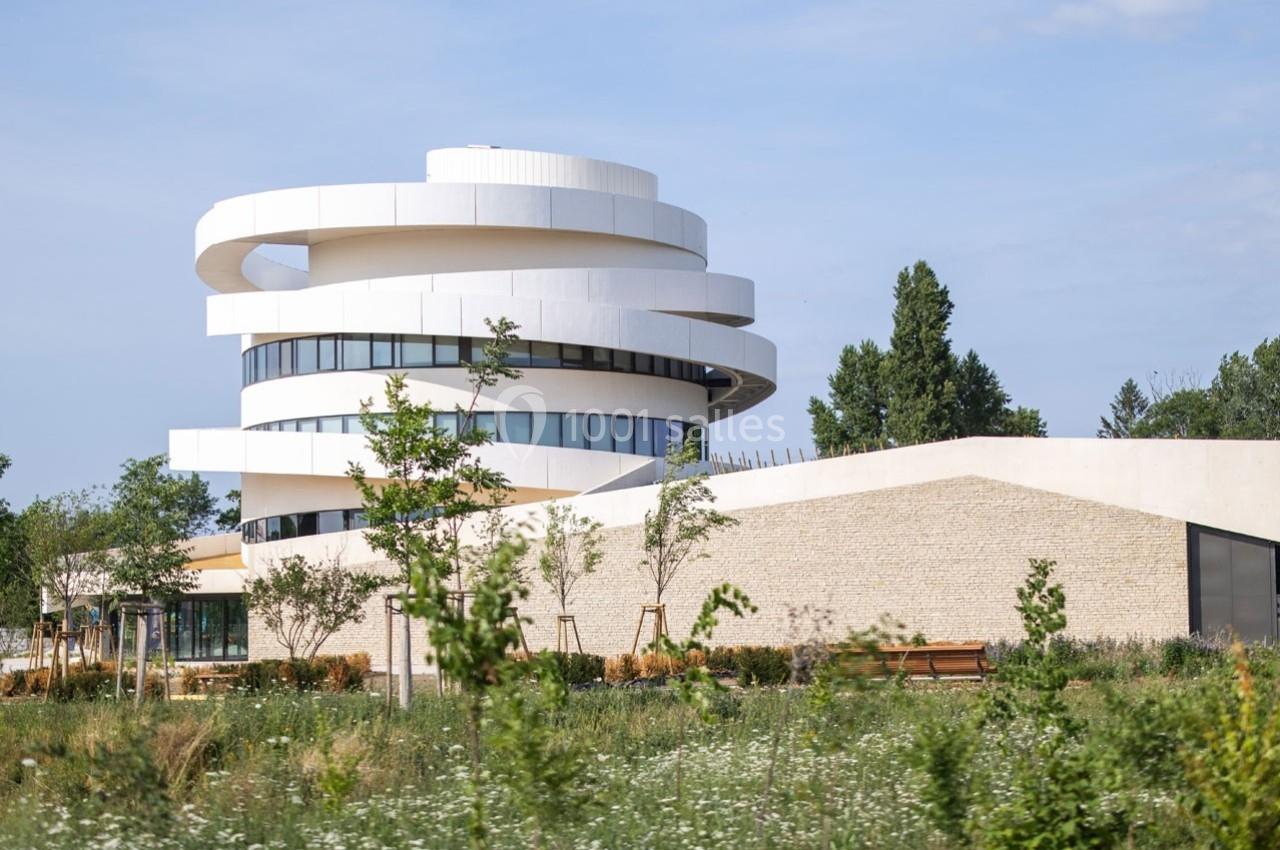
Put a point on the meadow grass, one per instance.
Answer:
(289, 770)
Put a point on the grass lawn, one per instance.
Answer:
(329, 771)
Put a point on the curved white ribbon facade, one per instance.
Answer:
(622, 328)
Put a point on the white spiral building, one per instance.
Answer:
(626, 341)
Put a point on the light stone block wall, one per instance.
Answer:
(944, 558)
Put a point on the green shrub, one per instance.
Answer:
(762, 665)
(333, 673)
(578, 668)
(1188, 656)
(723, 661)
(88, 684)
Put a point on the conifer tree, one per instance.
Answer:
(855, 417)
(1127, 409)
(922, 401)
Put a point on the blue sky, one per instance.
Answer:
(1097, 181)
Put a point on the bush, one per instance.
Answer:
(723, 661)
(579, 668)
(91, 684)
(763, 665)
(657, 665)
(333, 673)
(621, 668)
(1188, 656)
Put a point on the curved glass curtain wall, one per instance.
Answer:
(306, 524)
(341, 352)
(641, 435)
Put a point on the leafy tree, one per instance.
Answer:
(981, 402)
(695, 687)
(153, 516)
(1246, 393)
(542, 769)
(1127, 410)
(67, 537)
(1058, 794)
(570, 550)
(1188, 413)
(859, 398)
(304, 604)
(1022, 422)
(19, 597)
(433, 482)
(921, 371)
(682, 521)
(228, 519)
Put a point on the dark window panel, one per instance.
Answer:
(546, 354)
(447, 422)
(382, 352)
(447, 351)
(306, 356)
(330, 522)
(644, 364)
(623, 434)
(516, 427)
(355, 351)
(602, 359)
(571, 429)
(547, 428)
(416, 352)
(644, 436)
(599, 437)
(518, 353)
(307, 524)
(286, 357)
(571, 356)
(328, 347)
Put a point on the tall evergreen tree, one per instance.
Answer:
(982, 403)
(917, 391)
(1127, 409)
(855, 417)
(921, 371)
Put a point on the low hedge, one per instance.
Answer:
(577, 668)
(96, 682)
(333, 673)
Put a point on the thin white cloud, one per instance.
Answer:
(1142, 16)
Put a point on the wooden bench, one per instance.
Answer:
(929, 661)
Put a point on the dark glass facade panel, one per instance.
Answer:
(448, 423)
(328, 353)
(213, 628)
(596, 431)
(416, 351)
(307, 355)
(383, 348)
(544, 354)
(1233, 585)
(571, 431)
(547, 428)
(516, 428)
(355, 352)
(447, 351)
(330, 522)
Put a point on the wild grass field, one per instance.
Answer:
(1142, 755)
